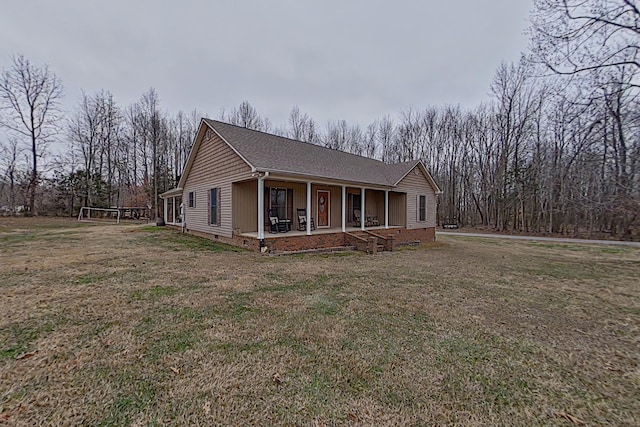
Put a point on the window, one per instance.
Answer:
(192, 199)
(214, 206)
(278, 202)
(355, 205)
(422, 208)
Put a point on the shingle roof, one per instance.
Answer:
(269, 152)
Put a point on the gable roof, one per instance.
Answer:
(267, 152)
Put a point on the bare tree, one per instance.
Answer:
(29, 98)
(302, 127)
(9, 164)
(245, 115)
(93, 131)
(576, 36)
(385, 137)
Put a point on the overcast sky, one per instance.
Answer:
(352, 60)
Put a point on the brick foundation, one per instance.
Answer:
(403, 236)
(284, 243)
(299, 243)
(242, 242)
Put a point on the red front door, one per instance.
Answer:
(323, 208)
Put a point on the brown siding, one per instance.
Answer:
(415, 184)
(397, 209)
(245, 206)
(215, 165)
(374, 204)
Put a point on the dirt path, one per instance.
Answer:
(539, 238)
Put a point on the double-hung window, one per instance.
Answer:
(422, 208)
(214, 206)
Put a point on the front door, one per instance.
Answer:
(323, 208)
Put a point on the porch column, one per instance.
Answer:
(309, 208)
(173, 210)
(166, 208)
(386, 209)
(363, 214)
(260, 208)
(344, 208)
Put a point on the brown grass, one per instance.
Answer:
(133, 325)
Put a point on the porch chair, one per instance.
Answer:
(372, 221)
(358, 217)
(302, 220)
(277, 226)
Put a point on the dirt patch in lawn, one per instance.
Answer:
(103, 326)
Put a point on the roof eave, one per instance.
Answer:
(171, 193)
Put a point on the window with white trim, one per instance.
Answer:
(192, 199)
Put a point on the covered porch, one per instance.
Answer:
(312, 207)
(173, 208)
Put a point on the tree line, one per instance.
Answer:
(555, 148)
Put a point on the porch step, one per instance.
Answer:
(363, 239)
(361, 234)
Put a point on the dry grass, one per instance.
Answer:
(130, 325)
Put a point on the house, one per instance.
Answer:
(236, 180)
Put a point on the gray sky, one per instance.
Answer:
(353, 60)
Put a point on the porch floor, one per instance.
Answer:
(295, 232)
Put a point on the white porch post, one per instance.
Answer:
(363, 214)
(261, 208)
(344, 208)
(386, 209)
(173, 210)
(309, 208)
(166, 210)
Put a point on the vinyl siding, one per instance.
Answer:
(215, 165)
(398, 209)
(245, 206)
(374, 204)
(415, 184)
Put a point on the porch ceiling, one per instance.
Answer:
(174, 192)
(324, 181)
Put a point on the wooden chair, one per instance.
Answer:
(302, 220)
(282, 225)
(277, 226)
(358, 217)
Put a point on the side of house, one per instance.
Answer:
(207, 190)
